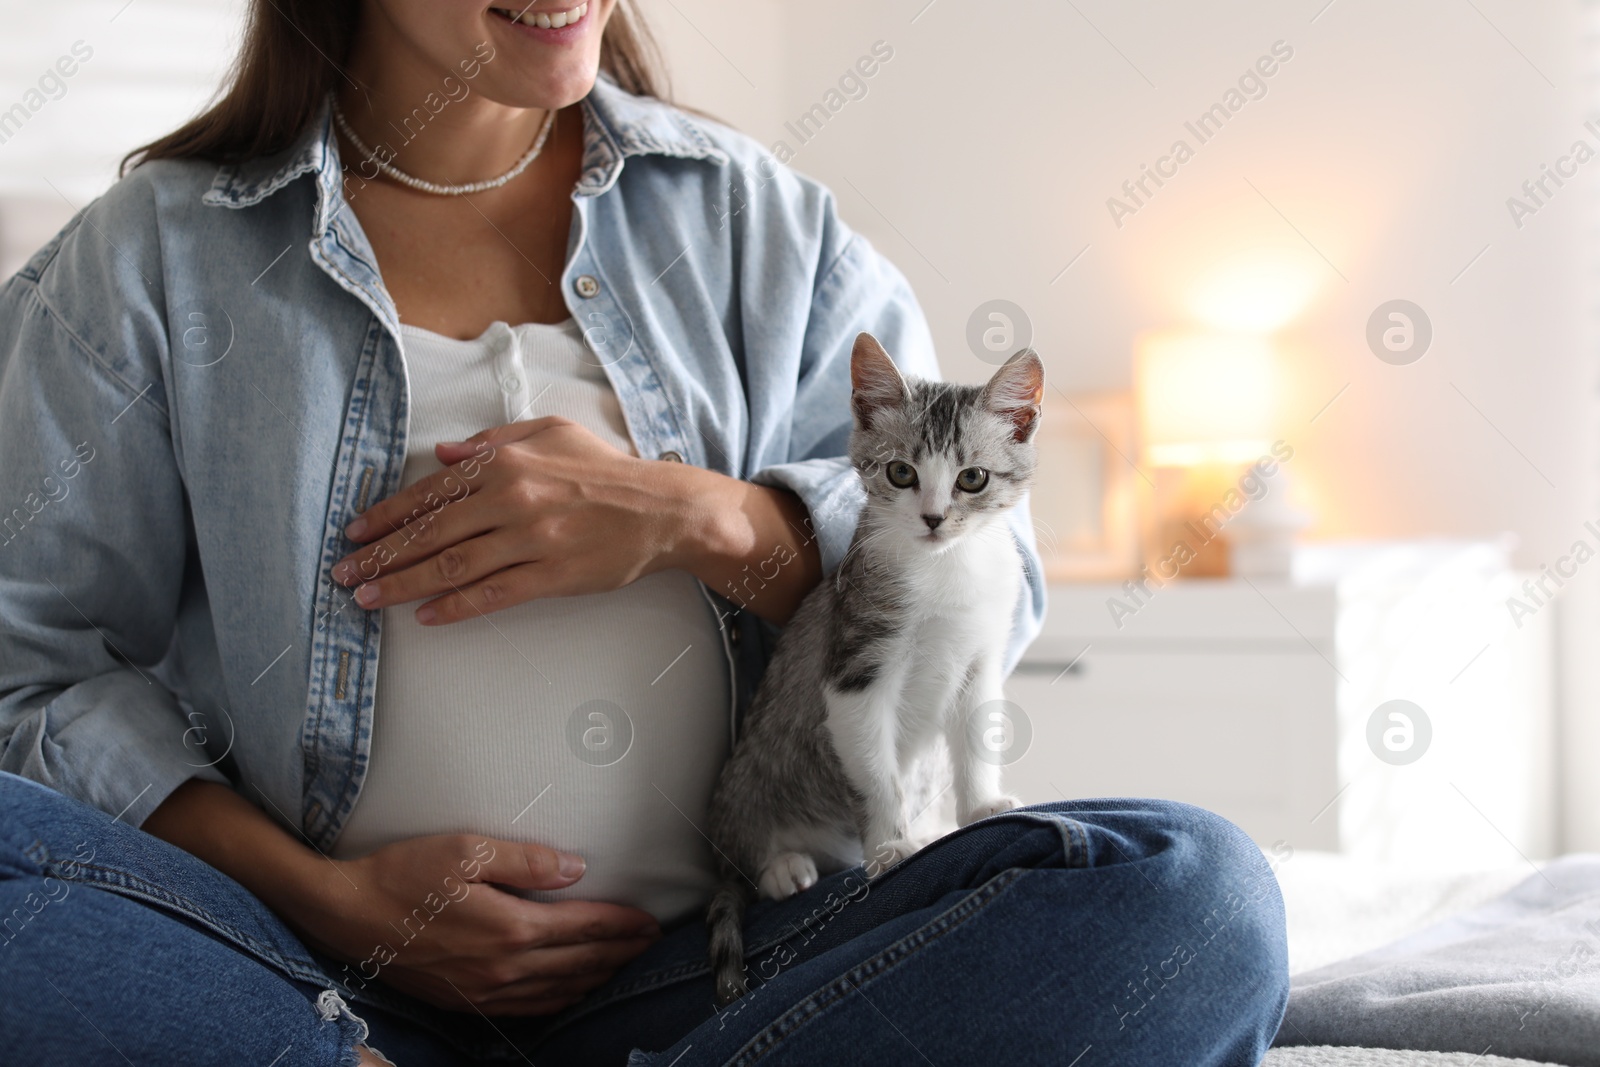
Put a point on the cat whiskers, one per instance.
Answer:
(839, 572)
(862, 543)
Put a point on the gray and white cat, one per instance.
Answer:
(894, 651)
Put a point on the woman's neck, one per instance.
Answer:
(435, 125)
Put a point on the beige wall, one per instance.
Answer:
(138, 70)
(983, 154)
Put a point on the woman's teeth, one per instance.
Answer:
(546, 21)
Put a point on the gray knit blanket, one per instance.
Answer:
(1518, 977)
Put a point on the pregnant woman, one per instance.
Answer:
(442, 333)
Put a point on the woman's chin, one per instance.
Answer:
(550, 88)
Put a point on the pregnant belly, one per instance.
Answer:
(596, 725)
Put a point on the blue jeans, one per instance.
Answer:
(1113, 931)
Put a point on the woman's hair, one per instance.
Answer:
(294, 54)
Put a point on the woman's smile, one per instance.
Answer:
(569, 20)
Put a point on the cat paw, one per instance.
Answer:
(991, 807)
(888, 854)
(786, 874)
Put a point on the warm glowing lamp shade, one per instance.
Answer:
(1206, 398)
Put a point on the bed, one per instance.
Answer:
(1395, 965)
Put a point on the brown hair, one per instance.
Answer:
(293, 55)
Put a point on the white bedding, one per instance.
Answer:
(1324, 1056)
(1339, 906)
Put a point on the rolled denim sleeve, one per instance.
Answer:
(860, 290)
(92, 557)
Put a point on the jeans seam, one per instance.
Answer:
(659, 978)
(127, 884)
(1076, 855)
(1077, 843)
(815, 1003)
(39, 853)
(133, 887)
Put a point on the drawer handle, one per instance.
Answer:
(1054, 668)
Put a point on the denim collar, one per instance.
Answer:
(616, 124)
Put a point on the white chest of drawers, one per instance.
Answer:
(1221, 693)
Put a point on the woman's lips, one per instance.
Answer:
(550, 25)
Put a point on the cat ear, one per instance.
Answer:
(1015, 392)
(875, 379)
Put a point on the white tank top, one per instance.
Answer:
(595, 724)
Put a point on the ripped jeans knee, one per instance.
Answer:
(331, 1008)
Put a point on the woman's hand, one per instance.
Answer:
(545, 508)
(540, 508)
(422, 916)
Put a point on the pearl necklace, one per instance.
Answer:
(432, 187)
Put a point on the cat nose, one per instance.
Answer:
(933, 521)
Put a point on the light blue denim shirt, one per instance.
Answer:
(201, 383)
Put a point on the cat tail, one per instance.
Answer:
(725, 921)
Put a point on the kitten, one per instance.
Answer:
(894, 651)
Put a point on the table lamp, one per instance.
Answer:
(1207, 402)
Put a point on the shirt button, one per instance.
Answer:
(733, 635)
(671, 456)
(587, 286)
(511, 384)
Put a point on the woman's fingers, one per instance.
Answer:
(568, 966)
(541, 925)
(422, 527)
(507, 925)
(460, 994)
(504, 588)
(415, 539)
(564, 513)
(540, 975)
(480, 943)
(514, 923)
(437, 491)
(495, 436)
(565, 971)
(518, 863)
(580, 922)
(454, 567)
(537, 974)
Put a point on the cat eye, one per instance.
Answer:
(901, 474)
(972, 479)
